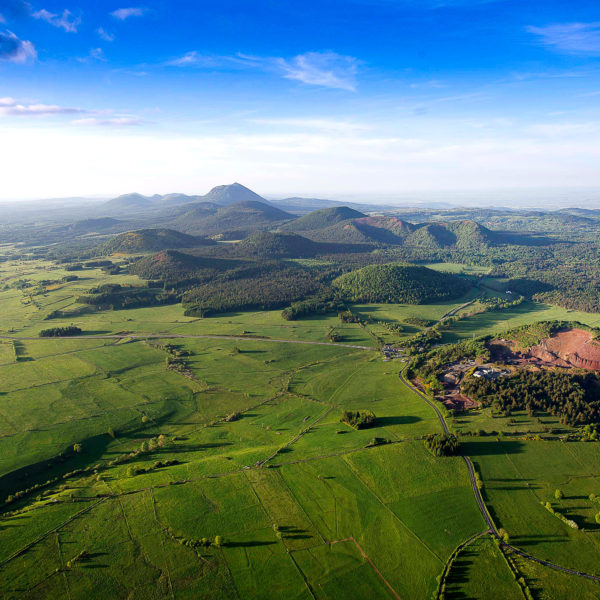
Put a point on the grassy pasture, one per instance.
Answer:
(518, 475)
(458, 268)
(300, 527)
(480, 572)
(498, 321)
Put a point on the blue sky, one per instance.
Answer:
(329, 98)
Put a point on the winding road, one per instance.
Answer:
(481, 503)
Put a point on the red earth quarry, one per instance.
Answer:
(569, 348)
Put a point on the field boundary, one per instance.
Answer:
(366, 557)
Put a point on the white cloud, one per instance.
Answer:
(563, 129)
(105, 35)
(110, 122)
(315, 124)
(15, 50)
(394, 157)
(325, 69)
(571, 38)
(122, 14)
(97, 53)
(65, 21)
(10, 107)
(191, 59)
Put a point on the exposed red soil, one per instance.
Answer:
(457, 401)
(569, 348)
(572, 347)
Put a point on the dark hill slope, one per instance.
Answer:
(465, 235)
(320, 219)
(379, 230)
(171, 265)
(242, 216)
(128, 202)
(148, 240)
(277, 245)
(398, 283)
(93, 225)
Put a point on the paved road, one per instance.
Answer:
(480, 502)
(164, 336)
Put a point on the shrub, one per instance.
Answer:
(359, 419)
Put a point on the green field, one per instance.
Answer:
(246, 443)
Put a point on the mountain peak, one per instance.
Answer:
(232, 194)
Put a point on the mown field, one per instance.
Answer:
(136, 463)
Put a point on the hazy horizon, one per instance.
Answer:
(384, 96)
(514, 198)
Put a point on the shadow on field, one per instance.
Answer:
(249, 544)
(96, 332)
(94, 448)
(475, 448)
(535, 539)
(399, 420)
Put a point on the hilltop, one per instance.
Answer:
(463, 235)
(399, 283)
(133, 201)
(171, 265)
(147, 240)
(277, 245)
(232, 194)
(249, 214)
(379, 230)
(320, 219)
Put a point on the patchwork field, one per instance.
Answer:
(230, 473)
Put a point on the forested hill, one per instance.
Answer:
(150, 240)
(320, 219)
(277, 245)
(399, 283)
(242, 216)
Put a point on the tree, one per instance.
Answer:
(218, 541)
(77, 448)
(598, 518)
(111, 433)
(558, 494)
(503, 535)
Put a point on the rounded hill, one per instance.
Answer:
(320, 219)
(267, 244)
(151, 240)
(399, 283)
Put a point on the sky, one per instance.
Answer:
(326, 98)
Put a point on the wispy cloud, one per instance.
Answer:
(572, 38)
(95, 54)
(11, 107)
(122, 14)
(109, 122)
(194, 59)
(105, 35)
(325, 69)
(66, 20)
(15, 50)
